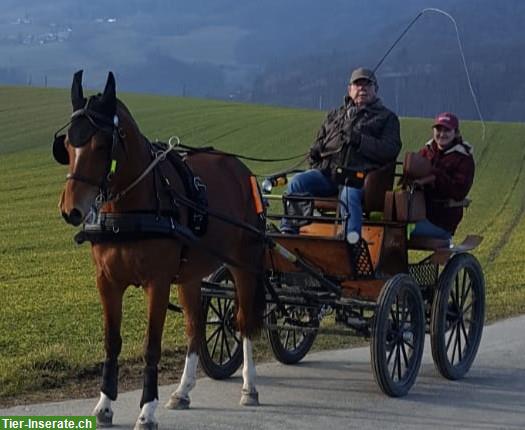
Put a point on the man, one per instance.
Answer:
(361, 135)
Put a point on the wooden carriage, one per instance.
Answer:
(372, 288)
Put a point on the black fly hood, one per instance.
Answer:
(98, 113)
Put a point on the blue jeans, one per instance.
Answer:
(352, 209)
(314, 182)
(426, 228)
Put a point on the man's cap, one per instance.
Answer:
(448, 120)
(362, 73)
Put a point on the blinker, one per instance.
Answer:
(80, 132)
(60, 153)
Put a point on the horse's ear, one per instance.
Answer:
(109, 97)
(77, 94)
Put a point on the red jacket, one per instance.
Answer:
(454, 171)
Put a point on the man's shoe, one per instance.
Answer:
(272, 228)
(287, 230)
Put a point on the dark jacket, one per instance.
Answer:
(454, 172)
(365, 138)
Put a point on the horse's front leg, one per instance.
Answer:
(111, 298)
(158, 297)
(190, 298)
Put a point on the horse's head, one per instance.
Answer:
(88, 149)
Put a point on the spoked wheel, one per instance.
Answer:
(220, 352)
(398, 336)
(457, 318)
(290, 344)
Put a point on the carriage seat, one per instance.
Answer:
(375, 186)
(441, 254)
(427, 243)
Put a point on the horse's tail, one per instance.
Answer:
(259, 303)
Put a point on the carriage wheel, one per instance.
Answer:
(221, 348)
(290, 345)
(457, 317)
(398, 336)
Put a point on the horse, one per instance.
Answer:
(113, 170)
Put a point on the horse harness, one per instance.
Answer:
(164, 221)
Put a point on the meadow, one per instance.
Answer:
(50, 318)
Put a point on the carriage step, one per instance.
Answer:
(321, 330)
(349, 301)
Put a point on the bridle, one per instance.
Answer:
(109, 125)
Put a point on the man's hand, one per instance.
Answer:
(315, 155)
(427, 180)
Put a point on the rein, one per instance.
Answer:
(159, 156)
(219, 215)
(213, 151)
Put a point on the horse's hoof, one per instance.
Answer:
(249, 398)
(176, 402)
(146, 426)
(104, 417)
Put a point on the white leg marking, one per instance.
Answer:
(180, 398)
(103, 410)
(103, 403)
(147, 413)
(189, 376)
(248, 368)
(249, 394)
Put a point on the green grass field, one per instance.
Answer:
(50, 319)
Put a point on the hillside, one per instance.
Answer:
(275, 52)
(50, 323)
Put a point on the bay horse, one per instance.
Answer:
(113, 168)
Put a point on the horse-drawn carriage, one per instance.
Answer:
(370, 288)
(150, 224)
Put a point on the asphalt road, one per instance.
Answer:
(336, 390)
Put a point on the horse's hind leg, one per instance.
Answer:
(158, 297)
(111, 298)
(250, 294)
(190, 298)
(249, 394)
